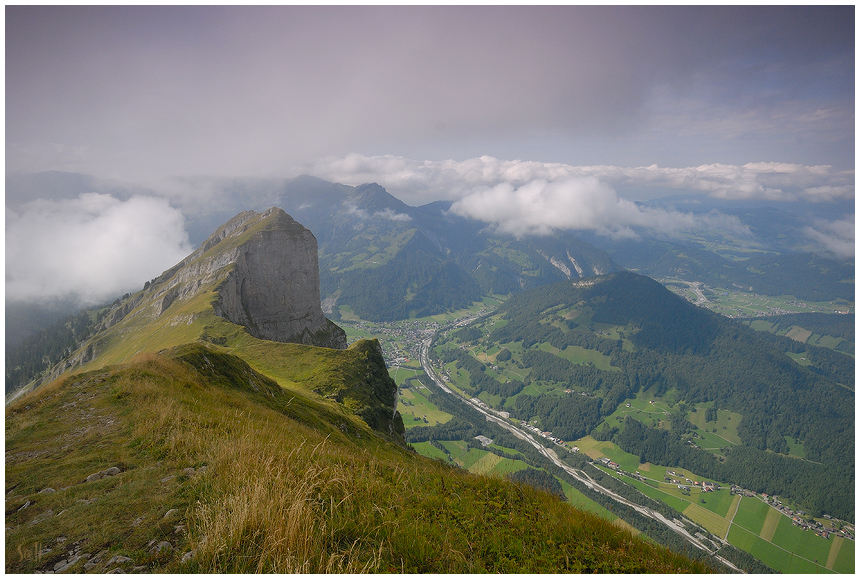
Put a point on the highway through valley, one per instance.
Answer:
(550, 453)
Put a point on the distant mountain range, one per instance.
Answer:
(386, 260)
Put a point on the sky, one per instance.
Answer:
(510, 112)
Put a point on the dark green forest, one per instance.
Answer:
(27, 360)
(432, 284)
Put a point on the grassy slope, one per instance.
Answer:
(283, 481)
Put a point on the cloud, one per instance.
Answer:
(835, 236)
(387, 213)
(391, 215)
(92, 248)
(420, 182)
(584, 203)
(136, 91)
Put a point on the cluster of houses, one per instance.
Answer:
(548, 435)
(799, 519)
(705, 486)
(410, 332)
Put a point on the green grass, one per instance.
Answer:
(419, 408)
(293, 482)
(751, 514)
(717, 502)
(746, 305)
(795, 448)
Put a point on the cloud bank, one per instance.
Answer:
(528, 197)
(92, 248)
(424, 181)
(541, 206)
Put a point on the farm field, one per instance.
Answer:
(754, 527)
(416, 410)
(737, 304)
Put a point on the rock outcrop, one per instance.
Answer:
(263, 269)
(266, 270)
(273, 287)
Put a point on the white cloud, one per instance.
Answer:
(92, 248)
(419, 182)
(836, 236)
(387, 213)
(391, 215)
(583, 203)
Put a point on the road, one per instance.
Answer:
(424, 357)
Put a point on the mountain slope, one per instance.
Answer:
(190, 461)
(365, 229)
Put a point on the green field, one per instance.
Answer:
(756, 527)
(578, 355)
(416, 410)
(736, 304)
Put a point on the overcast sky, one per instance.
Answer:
(473, 104)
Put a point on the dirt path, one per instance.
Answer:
(733, 510)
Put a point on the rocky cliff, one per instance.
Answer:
(272, 288)
(258, 270)
(266, 271)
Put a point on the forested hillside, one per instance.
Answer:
(645, 338)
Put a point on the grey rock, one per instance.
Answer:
(168, 478)
(187, 556)
(267, 282)
(169, 514)
(43, 516)
(24, 506)
(139, 569)
(118, 559)
(65, 564)
(162, 547)
(112, 471)
(115, 571)
(46, 490)
(189, 472)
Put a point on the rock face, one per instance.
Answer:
(264, 270)
(273, 287)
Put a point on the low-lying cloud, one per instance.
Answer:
(92, 248)
(387, 213)
(583, 203)
(419, 182)
(836, 237)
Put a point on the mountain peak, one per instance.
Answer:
(258, 270)
(373, 197)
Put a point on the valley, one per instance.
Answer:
(727, 512)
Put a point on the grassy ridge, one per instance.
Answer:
(258, 487)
